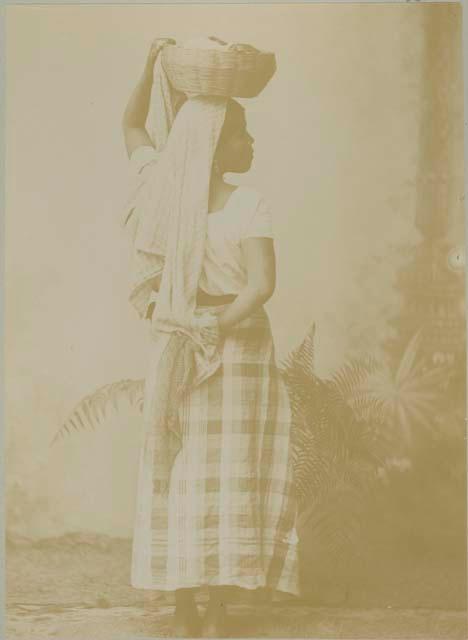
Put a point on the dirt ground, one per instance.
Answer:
(126, 623)
(78, 587)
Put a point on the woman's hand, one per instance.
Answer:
(210, 335)
(156, 47)
(208, 327)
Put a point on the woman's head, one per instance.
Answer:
(234, 151)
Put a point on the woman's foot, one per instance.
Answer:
(215, 621)
(187, 623)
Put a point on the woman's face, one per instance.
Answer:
(235, 149)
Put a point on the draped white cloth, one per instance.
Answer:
(168, 224)
(169, 220)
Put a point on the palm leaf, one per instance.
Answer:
(410, 397)
(94, 408)
(407, 363)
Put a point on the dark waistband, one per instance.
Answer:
(206, 299)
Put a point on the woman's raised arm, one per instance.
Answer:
(136, 111)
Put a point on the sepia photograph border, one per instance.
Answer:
(4, 6)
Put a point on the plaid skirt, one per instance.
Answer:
(229, 518)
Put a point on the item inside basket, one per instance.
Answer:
(212, 42)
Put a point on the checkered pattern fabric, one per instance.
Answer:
(230, 513)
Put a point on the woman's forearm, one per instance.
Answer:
(137, 108)
(136, 111)
(248, 300)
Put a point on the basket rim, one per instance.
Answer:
(221, 52)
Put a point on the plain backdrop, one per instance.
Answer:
(336, 154)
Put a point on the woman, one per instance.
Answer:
(228, 517)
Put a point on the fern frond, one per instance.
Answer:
(334, 523)
(303, 357)
(93, 409)
(350, 379)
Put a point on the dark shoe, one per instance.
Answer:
(186, 624)
(215, 622)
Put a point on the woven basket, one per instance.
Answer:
(236, 74)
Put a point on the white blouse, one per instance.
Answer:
(246, 214)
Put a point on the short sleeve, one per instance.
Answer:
(260, 224)
(141, 157)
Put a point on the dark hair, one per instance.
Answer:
(235, 116)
